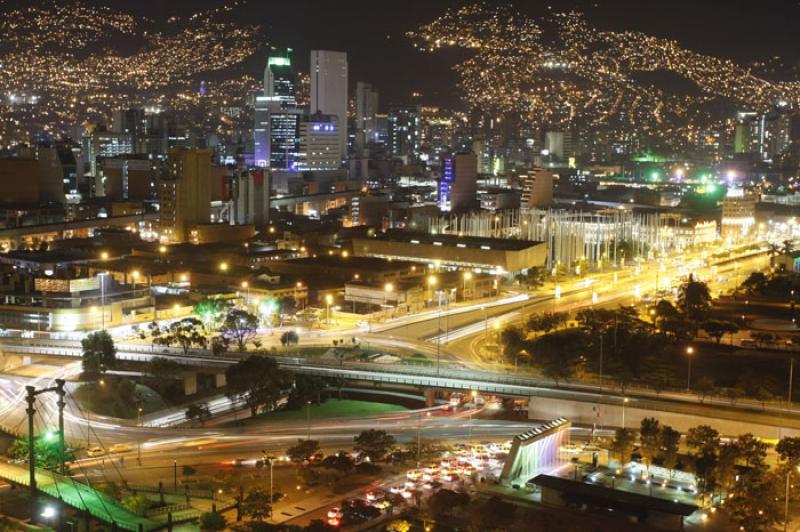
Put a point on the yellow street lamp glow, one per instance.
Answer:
(497, 325)
(223, 266)
(299, 284)
(690, 350)
(432, 280)
(467, 276)
(345, 254)
(135, 274)
(162, 249)
(245, 284)
(594, 298)
(558, 291)
(104, 255)
(329, 299)
(388, 287)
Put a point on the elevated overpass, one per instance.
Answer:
(456, 378)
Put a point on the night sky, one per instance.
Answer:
(372, 31)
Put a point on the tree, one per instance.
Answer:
(306, 389)
(209, 310)
(547, 321)
(513, 341)
(622, 445)
(212, 522)
(492, 514)
(374, 443)
(240, 326)
(187, 333)
(136, 504)
(733, 394)
(558, 353)
(650, 438)
(303, 450)
(755, 283)
(198, 412)
(340, 461)
(358, 511)
(444, 501)
(788, 448)
(757, 496)
(46, 451)
(669, 441)
(256, 505)
(258, 381)
(164, 372)
(289, 338)
(704, 387)
(99, 352)
(533, 278)
(220, 345)
(752, 450)
(717, 329)
(694, 299)
(705, 440)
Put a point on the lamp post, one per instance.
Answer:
(102, 277)
(308, 419)
(624, 402)
(467, 277)
(473, 394)
(270, 460)
(689, 353)
(246, 286)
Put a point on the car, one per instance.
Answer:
(95, 451)
(335, 513)
(413, 474)
(397, 489)
(375, 496)
(119, 448)
(334, 522)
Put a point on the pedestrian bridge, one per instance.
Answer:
(79, 496)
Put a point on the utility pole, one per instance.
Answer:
(791, 378)
(30, 398)
(61, 404)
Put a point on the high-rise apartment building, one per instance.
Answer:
(329, 88)
(319, 143)
(537, 188)
(405, 131)
(184, 195)
(458, 184)
(366, 114)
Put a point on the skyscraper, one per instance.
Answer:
(279, 80)
(366, 114)
(458, 185)
(319, 143)
(184, 197)
(329, 88)
(537, 188)
(405, 131)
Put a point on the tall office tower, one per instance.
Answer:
(458, 184)
(261, 129)
(184, 196)
(319, 143)
(537, 188)
(329, 88)
(405, 131)
(100, 143)
(554, 144)
(279, 80)
(131, 121)
(366, 114)
(132, 177)
(250, 198)
(284, 138)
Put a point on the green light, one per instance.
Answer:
(279, 61)
(654, 176)
(51, 435)
(711, 188)
(268, 307)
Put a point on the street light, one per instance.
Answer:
(467, 277)
(474, 395)
(223, 266)
(104, 255)
(624, 402)
(689, 353)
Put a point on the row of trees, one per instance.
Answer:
(237, 327)
(735, 469)
(617, 344)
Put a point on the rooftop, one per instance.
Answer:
(474, 242)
